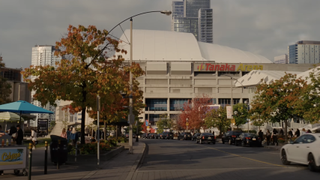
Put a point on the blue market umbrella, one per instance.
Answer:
(23, 107)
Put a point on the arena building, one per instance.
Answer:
(178, 68)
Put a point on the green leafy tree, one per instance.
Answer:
(163, 123)
(85, 71)
(280, 99)
(255, 117)
(5, 87)
(310, 100)
(217, 118)
(240, 114)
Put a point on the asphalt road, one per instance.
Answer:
(173, 159)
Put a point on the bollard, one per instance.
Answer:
(58, 157)
(30, 161)
(45, 157)
(76, 153)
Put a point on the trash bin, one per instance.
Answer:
(58, 152)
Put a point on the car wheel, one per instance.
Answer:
(284, 158)
(242, 144)
(197, 141)
(222, 141)
(213, 142)
(236, 143)
(230, 142)
(200, 141)
(311, 165)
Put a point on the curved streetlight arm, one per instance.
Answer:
(162, 12)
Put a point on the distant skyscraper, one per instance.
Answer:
(283, 59)
(193, 16)
(304, 52)
(43, 55)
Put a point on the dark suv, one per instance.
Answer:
(185, 136)
(166, 135)
(230, 136)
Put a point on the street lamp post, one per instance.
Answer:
(130, 116)
(247, 103)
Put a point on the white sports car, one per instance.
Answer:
(304, 150)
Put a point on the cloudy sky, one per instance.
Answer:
(265, 27)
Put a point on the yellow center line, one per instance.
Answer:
(247, 158)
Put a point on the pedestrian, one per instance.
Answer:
(64, 133)
(33, 138)
(303, 131)
(19, 137)
(74, 136)
(297, 133)
(290, 134)
(268, 136)
(281, 132)
(308, 131)
(260, 134)
(275, 137)
(68, 134)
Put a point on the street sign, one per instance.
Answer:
(146, 122)
(229, 112)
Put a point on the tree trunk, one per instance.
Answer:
(285, 131)
(83, 114)
(105, 130)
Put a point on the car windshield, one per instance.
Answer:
(236, 132)
(207, 134)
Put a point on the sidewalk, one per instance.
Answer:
(121, 166)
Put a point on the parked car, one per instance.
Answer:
(194, 137)
(185, 136)
(166, 135)
(250, 139)
(144, 136)
(151, 136)
(230, 136)
(304, 150)
(206, 138)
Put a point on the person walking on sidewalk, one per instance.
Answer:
(275, 137)
(268, 136)
(260, 136)
(33, 138)
(19, 137)
(290, 134)
(297, 133)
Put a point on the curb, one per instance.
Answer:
(138, 162)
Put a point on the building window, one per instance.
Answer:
(177, 104)
(156, 104)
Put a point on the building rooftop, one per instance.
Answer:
(152, 45)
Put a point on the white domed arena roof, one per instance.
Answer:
(154, 45)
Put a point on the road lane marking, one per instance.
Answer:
(264, 162)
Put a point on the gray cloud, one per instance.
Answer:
(263, 27)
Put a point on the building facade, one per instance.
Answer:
(19, 89)
(283, 59)
(193, 16)
(304, 52)
(178, 68)
(43, 55)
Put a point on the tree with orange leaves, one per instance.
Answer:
(87, 69)
(195, 111)
(279, 100)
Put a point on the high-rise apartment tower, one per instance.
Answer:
(304, 52)
(43, 55)
(193, 16)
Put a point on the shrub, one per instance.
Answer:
(89, 148)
